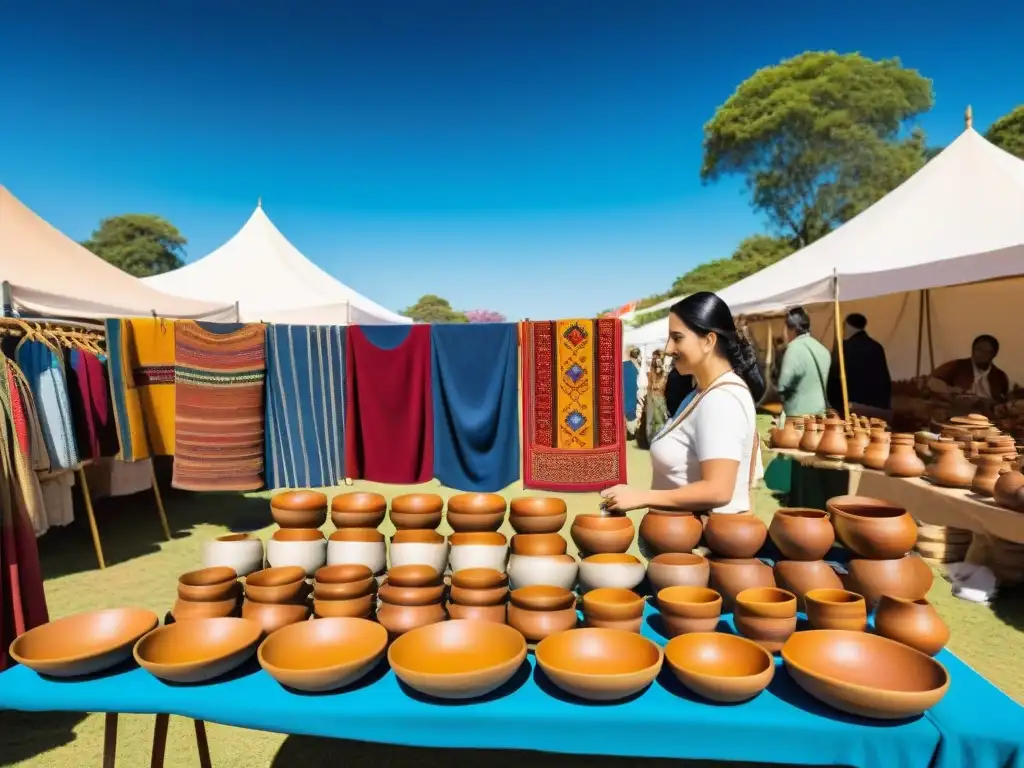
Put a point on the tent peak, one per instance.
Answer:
(259, 200)
(968, 118)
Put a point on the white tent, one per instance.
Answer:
(272, 281)
(46, 273)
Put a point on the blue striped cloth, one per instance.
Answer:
(44, 370)
(305, 412)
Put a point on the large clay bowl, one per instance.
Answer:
(241, 552)
(536, 625)
(613, 608)
(419, 547)
(554, 570)
(478, 550)
(908, 577)
(801, 576)
(457, 659)
(802, 534)
(873, 528)
(542, 598)
(358, 510)
(495, 613)
(476, 512)
(304, 547)
(611, 570)
(864, 674)
(672, 569)
(354, 608)
(272, 616)
(599, 664)
(598, 534)
(689, 609)
(343, 582)
(399, 619)
(416, 510)
(207, 584)
(416, 575)
(392, 593)
(479, 578)
(363, 546)
(276, 585)
(720, 667)
(662, 532)
(537, 514)
(729, 577)
(735, 536)
(186, 610)
(538, 544)
(836, 609)
(84, 643)
(299, 509)
(197, 651)
(481, 597)
(766, 615)
(324, 655)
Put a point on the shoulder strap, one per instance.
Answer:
(821, 376)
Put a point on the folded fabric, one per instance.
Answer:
(131, 427)
(476, 408)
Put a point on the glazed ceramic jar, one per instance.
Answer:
(856, 445)
(903, 461)
(358, 510)
(478, 550)
(811, 437)
(685, 609)
(358, 546)
(872, 528)
(540, 611)
(410, 598)
(730, 576)
(832, 444)
(735, 536)
(416, 510)
(419, 546)
(678, 569)
(836, 609)
(802, 534)
(951, 469)
(1007, 490)
(877, 452)
(914, 623)
(662, 532)
(597, 534)
(543, 570)
(788, 437)
(610, 569)
(304, 547)
(537, 514)
(766, 615)
(802, 576)
(989, 468)
(299, 509)
(344, 591)
(478, 594)
(613, 608)
(475, 512)
(908, 577)
(241, 552)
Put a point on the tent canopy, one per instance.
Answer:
(49, 274)
(272, 281)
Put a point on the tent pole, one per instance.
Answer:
(920, 332)
(928, 322)
(839, 346)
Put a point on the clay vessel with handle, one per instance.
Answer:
(786, 437)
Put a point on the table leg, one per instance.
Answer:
(203, 744)
(110, 740)
(159, 741)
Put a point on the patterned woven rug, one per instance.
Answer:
(219, 370)
(573, 418)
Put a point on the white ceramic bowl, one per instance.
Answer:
(434, 555)
(239, 551)
(478, 556)
(308, 555)
(369, 553)
(550, 570)
(611, 570)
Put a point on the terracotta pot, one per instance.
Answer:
(344, 590)
(611, 569)
(1007, 490)
(554, 570)
(903, 461)
(476, 512)
(542, 598)
(836, 609)
(613, 608)
(802, 534)
(873, 528)
(856, 446)
(537, 514)
(186, 610)
(538, 544)
(600, 664)
(363, 546)
(598, 534)
(208, 585)
(272, 616)
(414, 575)
(951, 469)
(494, 613)
(304, 547)
(482, 597)
(419, 547)
(479, 578)
(735, 536)
(877, 452)
(729, 577)
(801, 576)
(478, 550)
(766, 615)
(241, 552)
(922, 444)
(989, 468)
(390, 593)
(908, 577)
(680, 569)
(349, 573)
(788, 437)
(416, 510)
(832, 444)
(811, 437)
(720, 667)
(276, 585)
(354, 608)
(689, 609)
(299, 509)
(399, 619)
(358, 510)
(662, 532)
(912, 622)
(536, 625)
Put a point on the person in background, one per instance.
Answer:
(654, 413)
(805, 367)
(631, 387)
(867, 371)
(976, 375)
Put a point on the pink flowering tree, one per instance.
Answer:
(484, 316)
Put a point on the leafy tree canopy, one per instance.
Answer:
(141, 244)
(1008, 132)
(818, 138)
(434, 309)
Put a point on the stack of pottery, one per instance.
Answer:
(478, 594)
(541, 610)
(803, 537)
(989, 468)
(788, 436)
(735, 540)
(836, 609)
(344, 591)
(478, 549)
(540, 559)
(411, 597)
(610, 569)
(299, 541)
(914, 623)
(877, 451)
(476, 512)
(832, 446)
(613, 608)
(730, 576)
(951, 468)
(241, 552)
(938, 545)
(598, 534)
(857, 444)
(668, 532)
(903, 461)
(276, 597)
(209, 593)
(689, 609)
(416, 511)
(766, 615)
(358, 509)
(880, 535)
(357, 542)
(813, 432)
(537, 514)
(418, 546)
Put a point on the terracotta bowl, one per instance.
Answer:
(872, 528)
(276, 585)
(554, 570)
(662, 532)
(396, 595)
(802, 534)
(689, 609)
(596, 534)
(457, 659)
(358, 510)
(197, 651)
(305, 547)
(323, 655)
(735, 536)
(476, 512)
(363, 546)
(207, 584)
(678, 569)
(613, 608)
(478, 550)
(543, 598)
(495, 613)
(272, 616)
(836, 609)
(355, 608)
(599, 664)
(536, 625)
(299, 509)
(347, 590)
(908, 577)
(242, 552)
(611, 570)
(413, 576)
(419, 547)
(186, 610)
(84, 643)
(343, 574)
(479, 597)
(766, 615)
(730, 576)
(538, 544)
(417, 510)
(720, 667)
(537, 506)
(479, 578)
(398, 619)
(864, 674)
(801, 576)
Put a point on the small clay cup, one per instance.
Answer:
(689, 609)
(836, 609)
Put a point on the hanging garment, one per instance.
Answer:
(22, 412)
(476, 405)
(219, 370)
(389, 428)
(305, 421)
(43, 367)
(131, 427)
(152, 358)
(91, 407)
(573, 417)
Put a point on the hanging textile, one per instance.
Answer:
(219, 371)
(131, 428)
(573, 428)
(43, 367)
(389, 427)
(476, 406)
(91, 407)
(26, 431)
(305, 420)
(152, 357)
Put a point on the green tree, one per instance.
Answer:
(1008, 132)
(819, 138)
(141, 244)
(434, 309)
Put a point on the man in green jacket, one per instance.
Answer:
(805, 365)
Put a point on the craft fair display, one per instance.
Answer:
(599, 534)
(276, 597)
(766, 615)
(687, 609)
(719, 667)
(344, 591)
(197, 651)
(206, 594)
(478, 550)
(411, 597)
(358, 509)
(241, 552)
(416, 510)
(802, 534)
(304, 547)
(613, 608)
(358, 546)
(599, 664)
(668, 532)
(534, 570)
(419, 546)
(537, 514)
(735, 536)
(541, 610)
(469, 512)
(915, 623)
(478, 594)
(836, 609)
(730, 576)
(610, 570)
(684, 569)
(299, 509)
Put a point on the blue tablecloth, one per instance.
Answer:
(979, 726)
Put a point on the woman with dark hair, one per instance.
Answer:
(706, 458)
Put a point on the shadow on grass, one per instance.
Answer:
(24, 735)
(1009, 606)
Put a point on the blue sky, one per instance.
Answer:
(537, 157)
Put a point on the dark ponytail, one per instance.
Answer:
(704, 313)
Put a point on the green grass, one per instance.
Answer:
(143, 570)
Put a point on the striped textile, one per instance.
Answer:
(305, 420)
(219, 372)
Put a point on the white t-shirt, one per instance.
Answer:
(721, 426)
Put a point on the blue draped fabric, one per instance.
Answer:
(476, 405)
(44, 370)
(630, 388)
(305, 412)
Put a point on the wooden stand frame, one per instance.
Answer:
(159, 741)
